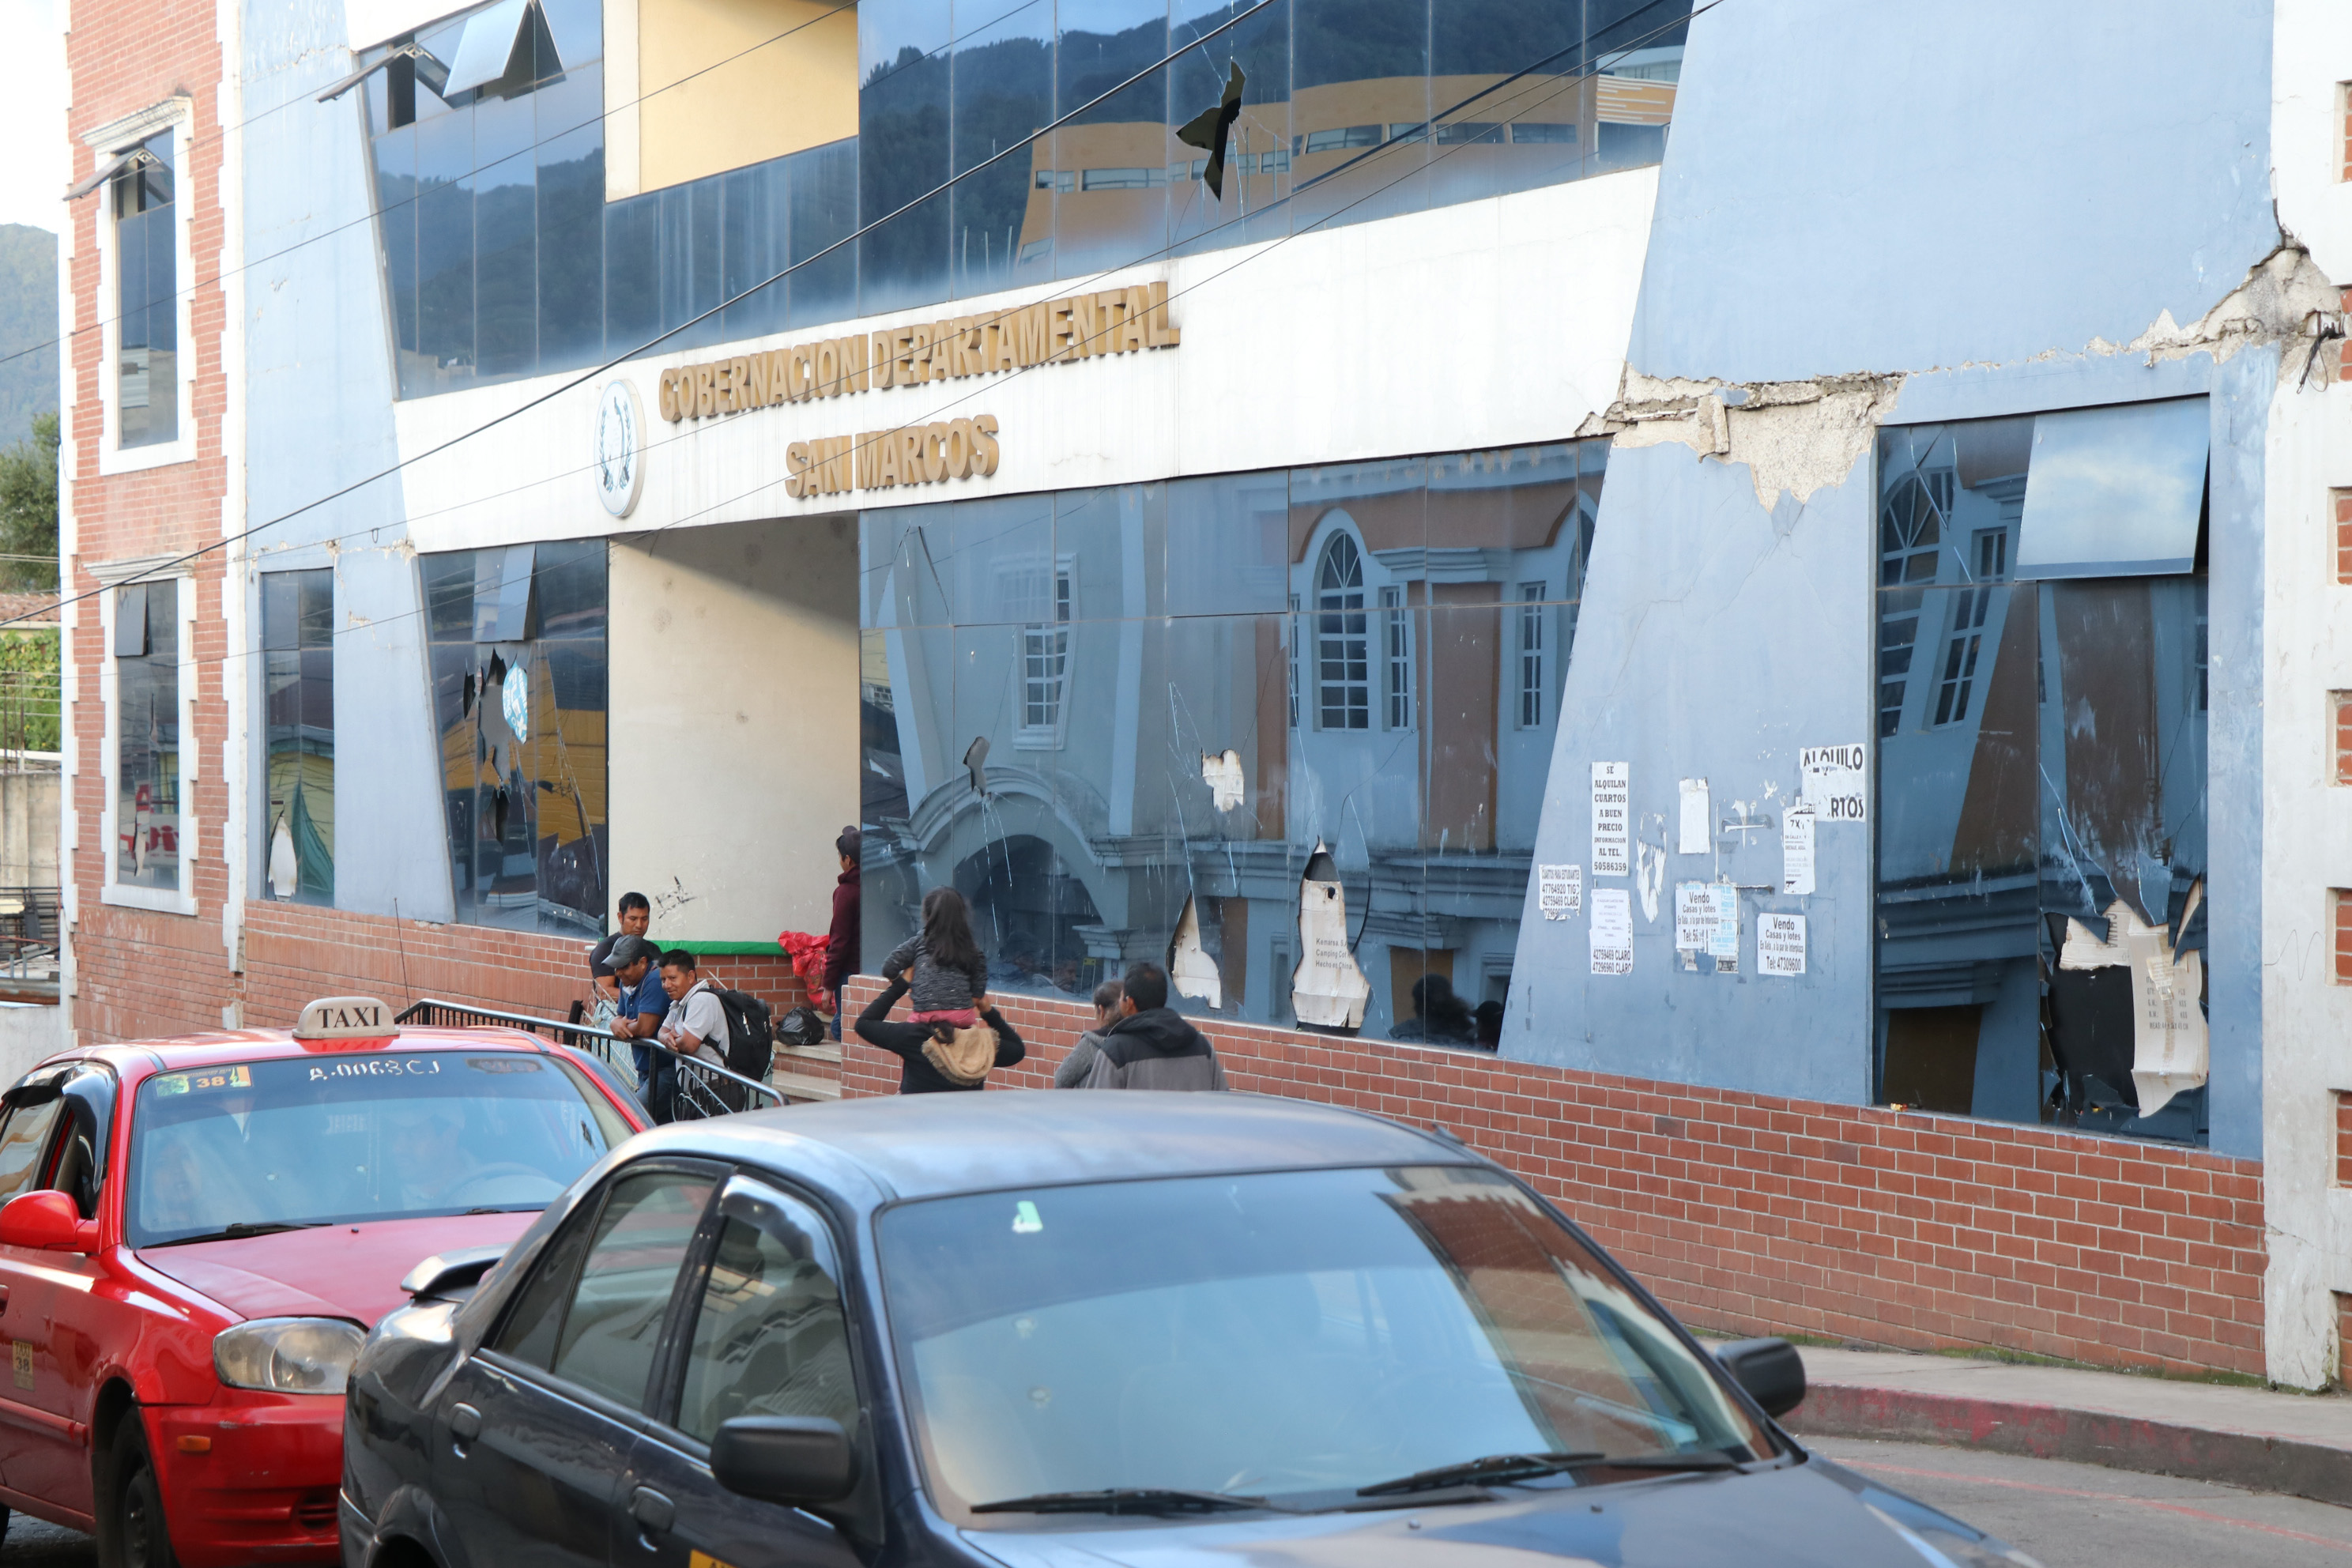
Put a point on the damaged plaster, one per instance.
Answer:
(1798, 437)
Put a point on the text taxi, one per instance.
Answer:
(195, 1234)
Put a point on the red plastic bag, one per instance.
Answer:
(807, 953)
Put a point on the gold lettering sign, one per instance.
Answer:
(1109, 322)
(884, 460)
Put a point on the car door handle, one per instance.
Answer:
(465, 1423)
(652, 1509)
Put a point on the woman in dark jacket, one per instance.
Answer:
(905, 1041)
(841, 943)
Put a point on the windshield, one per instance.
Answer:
(338, 1140)
(1281, 1336)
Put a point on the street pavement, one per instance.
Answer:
(2069, 1515)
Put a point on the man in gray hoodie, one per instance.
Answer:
(1152, 1046)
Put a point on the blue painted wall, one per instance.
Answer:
(1843, 194)
(320, 411)
(1852, 187)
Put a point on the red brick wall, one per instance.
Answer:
(2343, 1341)
(2343, 1138)
(140, 972)
(296, 952)
(2341, 898)
(1751, 1214)
(2343, 512)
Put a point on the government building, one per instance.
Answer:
(1735, 605)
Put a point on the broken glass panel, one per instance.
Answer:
(2042, 795)
(2115, 492)
(520, 692)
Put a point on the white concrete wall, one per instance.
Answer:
(2306, 817)
(733, 748)
(2306, 851)
(29, 1032)
(1488, 324)
(2310, 43)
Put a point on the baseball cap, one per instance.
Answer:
(628, 949)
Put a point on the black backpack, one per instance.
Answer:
(750, 1035)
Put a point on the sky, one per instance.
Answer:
(32, 116)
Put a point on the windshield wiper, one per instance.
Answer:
(514, 1208)
(1527, 1466)
(1493, 1468)
(1124, 1500)
(243, 1228)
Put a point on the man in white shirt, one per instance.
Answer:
(696, 1024)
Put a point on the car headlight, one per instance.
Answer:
(288, 1355)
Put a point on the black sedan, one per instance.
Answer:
(1056, 1331)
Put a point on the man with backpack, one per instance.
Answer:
(727, 1030)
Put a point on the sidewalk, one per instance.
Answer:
(2292, 1443)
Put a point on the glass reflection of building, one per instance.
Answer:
(2041, 755)
(503, 258)
(518, 639)
(1053, 683)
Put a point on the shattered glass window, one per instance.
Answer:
(1317, 708)
(147, 735)
(2042, 795)
(518, 639)
(298, 654)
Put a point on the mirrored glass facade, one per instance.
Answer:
(520, 696)
(298, 654)
(147, 735)
(502, 258)
(1090, 710)
(2041, 791)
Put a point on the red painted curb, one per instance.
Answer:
(2288, 1464)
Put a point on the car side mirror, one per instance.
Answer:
(1771, 1372)
(451, 1275)
(791, 1459)
(46, 1221)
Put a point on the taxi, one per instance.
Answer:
(196, 1234)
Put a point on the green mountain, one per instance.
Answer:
(29, 315)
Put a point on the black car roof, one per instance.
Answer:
(933, 1145)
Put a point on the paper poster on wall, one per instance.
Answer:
(1723, 922)
(2170, 1049)
(1189, 968)
(1327, 989)
(1612, 819)
(1780, 945)
(1834, 783)
(1560, 890)
(1797, 850)
(1694, 917)
(1696, 834)
(1611, 931)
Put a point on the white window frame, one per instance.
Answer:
(1534, 612)
(1367, 608)
(121, 136)
(1061, 594)
(163, 901)
(1396, 659)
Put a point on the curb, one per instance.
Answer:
(2315, 1470)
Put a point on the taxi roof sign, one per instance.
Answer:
(345, 1018)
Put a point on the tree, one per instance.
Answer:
(28, 508)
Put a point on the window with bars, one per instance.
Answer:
(1342, 640)
(1910, 531)
(1396, 654)
(1046, 660)
(1531, 656)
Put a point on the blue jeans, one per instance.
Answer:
(657, 1081)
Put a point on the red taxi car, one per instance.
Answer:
(195, 1234)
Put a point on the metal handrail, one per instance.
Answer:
(704, 1089)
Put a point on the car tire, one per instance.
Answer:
(130, 1528)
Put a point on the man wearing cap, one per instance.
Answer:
(642, 1006)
